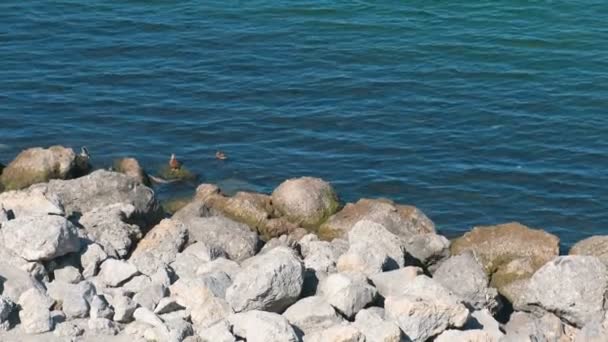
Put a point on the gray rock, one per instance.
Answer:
(305, 201)
(136, 284)
(146, 316)
(311, 314)
(425, 309)
(320, 256)
(208, 312)
(428, 249)
(364, 258)
(219, 332)
(465, 336)
(337, 333)
(594, 331)
(14, 281)
(375, 328)
(261, 326)
(103, 326)
(151, 295)
(348, 292)
(102, 188)
(91, 258)
(230, 267)
(179, 330)
(281, 241)
(40, 237)
(391, 283)
(108, 227)
(68, 329)
(270, 282)
(6, 308)
(483, 319)
(100, 308)
(74, 298)
(124, 307)
(160, 246)
(35, 315)
(166, 305)
(30, 202)
(191, 291)
(187, 262)
(68, 274)
(527, 327)
(374, 234)
(236, 239)
(464, 275)
(183, 314)
(116, 272)
(571, 286)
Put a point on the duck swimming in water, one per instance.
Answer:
(174, 164)
(220, 155)
(84, 153)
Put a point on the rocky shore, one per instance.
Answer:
(92, 256)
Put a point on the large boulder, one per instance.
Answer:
(401, 220)
(236, 239)
(102, 188)
(595, 245)
(464, 275)
(109, 227)
(40, 237)
(31, 202)
(261, 326)
(311, 314)
(131, 168)
(425, 309)
(305, 201)
(271, 282)
(160, 246)
(39, 165)
(573, 287)
(348, 292)
(501, 247)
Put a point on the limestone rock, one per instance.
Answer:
(497, 246)
(151, 295)
(160, 246)
(219, 332)
(375, 328)
(261, 326)
(14, 282)
(305, 201)
(124, 307)
(571, 286)
(270, 282)
(311, 314)
(38, 165)
(74, 298)
(208, 312)
(102, 326)
(364, 258)
(348, 292)
(116, 272)
(131, 168)
(68, 329)
(35, 315)
(595, 246)
(594, 331)
(234, 238)
(428, 249)
(320, 256)
(188, 261)
(337, 333)
(527, 327)
(425, 309)
(465, 336)
(464, 275)
(230, 267)
(31, 202)
(391, 283)
(100, 308)
(91, 258)
(68, 274)
(401, 220)
(108, 226)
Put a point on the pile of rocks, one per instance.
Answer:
(94, 258)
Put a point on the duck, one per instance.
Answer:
(174, 164)
(220, 155)
(84, 153)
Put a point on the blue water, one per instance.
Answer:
(478, 112)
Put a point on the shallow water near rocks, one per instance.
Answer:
(476, 112)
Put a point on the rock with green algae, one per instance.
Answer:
(39, 165)
(305, 201)
(181, 174)
(173, 205)
(402, 220)
(509, 252)
(131, 168)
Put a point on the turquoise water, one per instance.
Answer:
(478, 112)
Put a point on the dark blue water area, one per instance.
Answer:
(477, 112)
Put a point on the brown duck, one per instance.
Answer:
(174, 164)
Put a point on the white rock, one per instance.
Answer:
(391, 283)
(100, 308)
(166, 305)
(115, 272)
(35, 315)
(40, 237)
(90, 260)
(270, 282)
(262, 326)
(68, 329)
(348, 292)
(231, 268)
(375, 328)
(219, 332)
(337, 333)
(31, 202)
(465, 336)
(124, 308)
(209, 312)
(312, 313)
(151, 295)
(364, 258)
(160, 246)
(102, 326)
(68, 274)
(376, 235)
